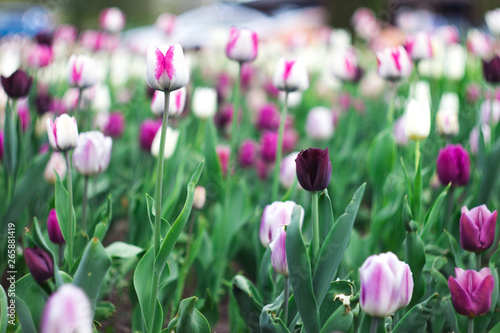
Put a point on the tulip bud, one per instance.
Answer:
(278, 252)
(114, 126)
(477, 228)
(345, 65)
(386, 285)
(492, 18)
(40, 264)
(418, 120)
(200, 196)
(204, 102)
(268, 117)
(491, 69)
(67, 310)
(147, 133)
(166, 68)
(17, 85)
(268, 146)
(314, 169)
(54, 229)
(478, 43)
(290, 75)
(166, 23)
(453, 166)
(288, 172)
(63, 132)
(419, 46)
(474, 137)
(319, 123)
(93, 153)
(39, 56)
(365, 23)
(274, 217)
(449, 34)
(242, 45)
(112, 19)
(170, 143)
(447, 115)
(454, 62)
(471, 291)
(223, 153)
(394, 63)
(247, 153)
(56, 164)
(81, 71)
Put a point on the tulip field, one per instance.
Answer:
(309, 180)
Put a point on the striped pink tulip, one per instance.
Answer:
(166, 68)
(176, 104)
(62, 132)
(278, 252)
(93, 153)
(275, 216)
(39, 56)
(291, 75)
(394, 63)
(81, 71)
(419, 46)
(243, 45)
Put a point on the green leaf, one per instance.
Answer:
(214, 171)
(415, 258)
(11, 141)
(339, 321)
(4, 314)
(34, 298)
(495, 329)
(490, 173)
(62, 210)
(190, 319)
(24, 316)
(299, 266)
(325, 211)
(91, 271)
(408, 181)
(270, 322)
(381, 158)
(123, 250)
(416, 319)
(433, 213)
(417, 194)
(143, 282)
(455, 250)
(249, 301)
(101, 229)
(333, 248)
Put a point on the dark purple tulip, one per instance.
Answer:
(314, 169)
(44, 38)
(18, 84)
(39, 263)
(54, 229)
(491, 69)
(147, 133)
(247, 153)
(43, 102)
(115, 126)
(477, 228)
(223, 118)
(471, 291)
(453, 166)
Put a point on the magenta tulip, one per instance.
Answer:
(471, 291)
(53, 228)
(453, 165)
(477, 228)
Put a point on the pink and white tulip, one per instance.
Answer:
(166, 68)
(55, 165)
(288, 173)
(166, 22)
(449, 34)
(223, 154)
(478, 43)
(93, 153)
(344, 64)
(474, 137)
(278, 253)
(81, 71)
(177, 102)
(291, 75)
(243, 45)
(319, 123)
(274, 217)
(419, 46)
(62, 132)
(112, 19)
(394, 63)
(39, 56)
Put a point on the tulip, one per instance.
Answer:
(39, 56)
(491, 69)
(247, 153)
(421, 92)
(166, 68)
(419, 46)
(492, 18)
(56, 165)
(81, 71)
(93, 153)
(288, 173)
(172, 136)
(478, 43)
(268, 145)
(345, 65)
(177, 102)
(453, 166)
(44, 38)
(340, 39)
(204, 102)
(243, 45)
(223, 118)
(63, 132)
(290, 139)
(454, 62)
(477, 228)
(473, 92)
(112, 19)
(147, 133)
(399, 131)
(40, 264)
(200, 196)
(290, 75)
(474, 137)
(43, 102)
(268, 117)
(418, 120)
(274, 217)
(449, 34)
(314, 169)
(365, 23)
(66, 33)
(447, 115)
(24, 114)
(54, 229)
(394, 63)
(67, 310)
(223, 154)
(17, 85)
(278, 253)
(490, 112)
(386, 285)
(319, 123)
(115, 125)
(471, 291)
(166, 22)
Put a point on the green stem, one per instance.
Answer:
(390, 113)
(374, 325)
(234, 120)
(69, 241)
(492, 124)
(84, 203)
(285, 300)
(315, 216)
(470, 325)
(417, 154)
(159, 182)
(478, 261)
(279, 149)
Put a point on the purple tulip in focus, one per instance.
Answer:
(278, 252)
(471, 291)
(453, 165)
(40, 264)
(477, 228)
(314, 169)
(18, 84)
(54, 229)
(386, 284)
(67, 310)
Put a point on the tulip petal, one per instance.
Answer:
(469, 234)
(481, 297)
(487, 235)
(459, 297)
